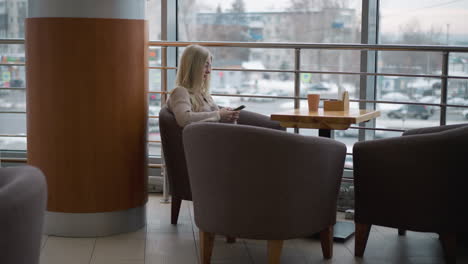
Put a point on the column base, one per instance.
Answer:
(94, 224)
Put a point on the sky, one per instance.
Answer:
(394, 13)
(430, 13)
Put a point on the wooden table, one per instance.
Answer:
(326, 122)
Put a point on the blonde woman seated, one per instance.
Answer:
(191, 101)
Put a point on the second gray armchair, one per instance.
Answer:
(257, 183)
(176, 169)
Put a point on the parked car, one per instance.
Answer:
(457, 101)
(352, 132)
(429, 99)
(321, 87)
(411, 111)
(465, 113)
(263, 99)
(395, 96)
(16, 83)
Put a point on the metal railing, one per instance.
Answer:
(298, 47)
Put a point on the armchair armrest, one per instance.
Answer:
(434, 129)
(258, 120)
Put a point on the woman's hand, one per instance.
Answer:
(227, 115)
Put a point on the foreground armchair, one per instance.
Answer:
(23, 196)
(258, 183)
(410, 183)
(173, 149)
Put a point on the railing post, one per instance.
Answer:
(297, 81)
(367, 91)
(164, 8)
(444, 88)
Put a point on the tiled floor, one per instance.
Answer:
(162, 243)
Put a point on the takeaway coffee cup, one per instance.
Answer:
(313, 100)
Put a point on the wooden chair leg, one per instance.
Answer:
(401, 232)
(206, 246)
(175, 208)
(230, 239)
(449, 244)
(326, 239)
(274, 251)
(360, 241)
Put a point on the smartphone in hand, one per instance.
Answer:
(239, 108)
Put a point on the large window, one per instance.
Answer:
(307, 21)
(438, 22)
(421, 22)
(12, 77)
(153, 15)
(313, 21)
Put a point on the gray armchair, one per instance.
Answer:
(23, 195)
(173, 149)
(258, 183)
(409, 183)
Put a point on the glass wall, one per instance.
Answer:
(12, 98)
(286, 21)
(153, 15)
(12, 77)
(457, 91)
(313, 21)
(421, 22)
(12, 15)
(428, 22)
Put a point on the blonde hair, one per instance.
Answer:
(190, 74)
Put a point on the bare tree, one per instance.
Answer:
(230, 26)
(312, 5)
(321, 21)
(187, 19)
(238, 6)
(413, 62)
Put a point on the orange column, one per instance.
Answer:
(87, 120)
